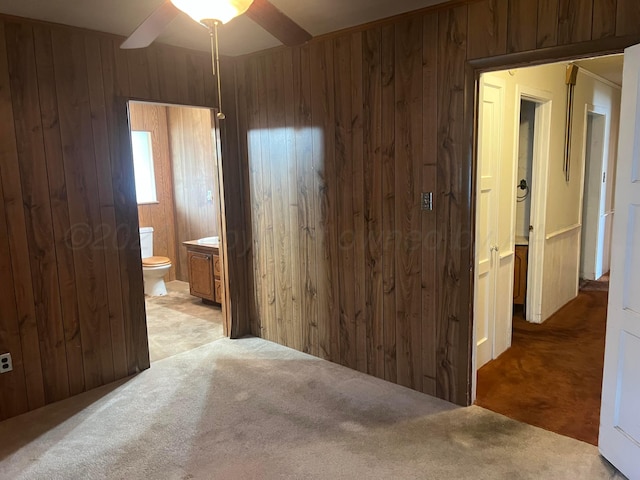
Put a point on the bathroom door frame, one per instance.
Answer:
(222, 221)
(232, 326)
(539, 192)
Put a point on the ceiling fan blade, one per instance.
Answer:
(152, 27)
(267, 15)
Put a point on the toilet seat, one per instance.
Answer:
(155, 261)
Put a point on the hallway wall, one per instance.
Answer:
(562, 227)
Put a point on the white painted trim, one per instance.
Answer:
(606, 113)
(501, 85)
(563, 231)
(539, 191)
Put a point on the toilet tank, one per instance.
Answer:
(146, 242)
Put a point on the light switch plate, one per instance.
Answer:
(427, 201)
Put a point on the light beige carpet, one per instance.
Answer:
(250, 409)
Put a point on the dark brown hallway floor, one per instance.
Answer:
(551, 377)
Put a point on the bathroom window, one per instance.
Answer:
(143, 167)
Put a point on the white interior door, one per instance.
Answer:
(620, 415)
(592, 242)
(490, 126)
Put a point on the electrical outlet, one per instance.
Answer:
(6, 365)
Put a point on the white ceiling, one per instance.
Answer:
(238, 37)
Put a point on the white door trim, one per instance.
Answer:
(539, 190)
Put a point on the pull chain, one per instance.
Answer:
(215, 63)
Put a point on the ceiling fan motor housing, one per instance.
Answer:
(209, 12)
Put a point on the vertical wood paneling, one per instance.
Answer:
(488, 32)
(305, 134)
(449, 200)
(249, 120)
(188, 175)
(358, 189)
(575, 19)
(143, 68)
(168, 77)
(388, 147)
(13, 400)
(108, 228)
(233, 207)
(37, 210)
(291, 177)
(325, 195)
(115, 76)
(279, 172)
(196, 74)
(522, 30)
(70, 247)
(84, 208)
(604, 19)
(547, 35)
(627, 17)
(269, 325)
(59, 208)
(430, 286)
(332, 156)
(408, 135)
(344, 187)
(372, 175)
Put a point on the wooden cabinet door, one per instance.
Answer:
(520, 275)
(201, 275)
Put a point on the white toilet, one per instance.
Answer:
(153, 268)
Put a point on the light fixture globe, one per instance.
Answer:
(216, 10)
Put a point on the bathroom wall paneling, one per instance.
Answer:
(381, 113)
(194, 175)
(161, 215)
(72, 304)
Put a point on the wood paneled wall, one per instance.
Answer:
(339, 138)
(161, 215)
(194, 175)
(71, 302)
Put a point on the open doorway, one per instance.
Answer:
(179, 211)
(545, 361)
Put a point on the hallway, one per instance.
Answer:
(551, 377)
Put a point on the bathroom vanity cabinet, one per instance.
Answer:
(520, 274)
(204, 271)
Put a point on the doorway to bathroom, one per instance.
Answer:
(179, 212)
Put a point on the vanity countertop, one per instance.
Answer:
(520, 240)
(196, 243)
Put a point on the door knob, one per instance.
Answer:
(495, 248)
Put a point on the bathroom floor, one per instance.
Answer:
(179, 322)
